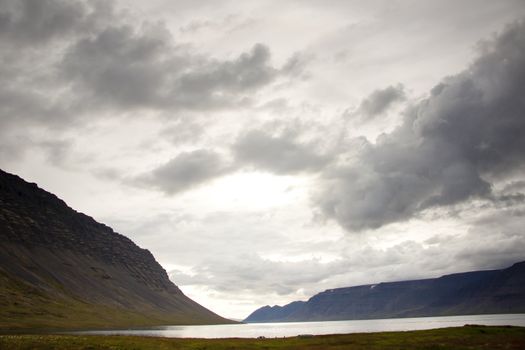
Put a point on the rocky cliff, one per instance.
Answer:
(61, 268)
(478, 292)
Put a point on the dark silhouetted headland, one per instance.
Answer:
(478, 292)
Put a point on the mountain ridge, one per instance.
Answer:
(474, 292)
(61, 268)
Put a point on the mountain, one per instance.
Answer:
(478, 292)
(61, 269)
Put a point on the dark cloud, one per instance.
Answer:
(32, 35)
(25, 106)
(121, 66)
(186, 170)
(35, 22)
(130, 68)
(218, 83)
(281, 154)
(451, 147)
(379, 101)
(70, 62)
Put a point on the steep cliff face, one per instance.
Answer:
(61, 268)
(478, 292)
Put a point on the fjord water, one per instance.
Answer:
(290, 329)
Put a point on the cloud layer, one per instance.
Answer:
(451, 147)
(70, 63)
(262, 156)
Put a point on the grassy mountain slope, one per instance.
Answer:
(60, 268)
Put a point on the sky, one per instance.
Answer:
(265, 151)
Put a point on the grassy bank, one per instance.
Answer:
(468, 337)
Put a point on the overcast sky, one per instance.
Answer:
(265, 151)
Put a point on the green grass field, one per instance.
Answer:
(468, 337)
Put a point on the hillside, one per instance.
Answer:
(62, 269)
(478, 292)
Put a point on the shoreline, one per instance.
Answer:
(468, 336)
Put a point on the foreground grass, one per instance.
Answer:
(468, 337)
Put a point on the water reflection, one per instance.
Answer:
(289, 329)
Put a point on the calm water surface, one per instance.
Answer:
(290, 329)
